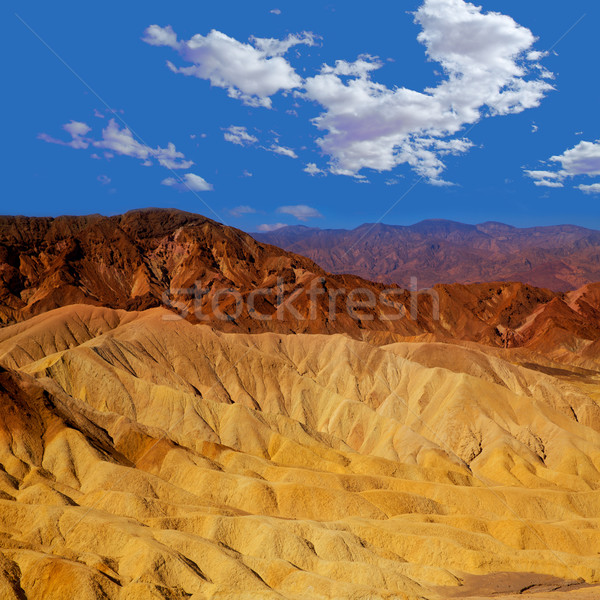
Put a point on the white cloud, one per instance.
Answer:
(359, 68)
(197, 183)
(581, 160)
(594, 188)
(302, 212)
(536, 55)
(312, 169)
(486, 58)
(189, 182)
(546, 178)
(104, 179)
(240, 211)
(170, 158)
(267, 227)
(77, 130)
(489, 66)
(548, 183)
(251, 72)
(276, 11)
(239, 135)
(276, 47)
(120, 141)
(282, 150)
(160, 36)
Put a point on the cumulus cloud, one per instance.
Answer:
(251, 72)
(486, 59)
(276, 11)
(277, 149)
(581, 160)
(239, 135)
(489, 67)
(312, 169)
(240, 211)
(267, 227)
(189, 182)
(594, 188)
(302, 212)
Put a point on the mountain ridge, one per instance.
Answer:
(215, 275)
(557, 257)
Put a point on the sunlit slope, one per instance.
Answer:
(146, 457)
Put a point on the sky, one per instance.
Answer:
(261, 114)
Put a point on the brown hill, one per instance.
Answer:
(209, 273)
(127, 261)
(559, 258)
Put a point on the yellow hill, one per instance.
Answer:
(150, 458)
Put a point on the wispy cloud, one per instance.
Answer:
(594, 188)
(302, 212)
(239, 135)
(267, 227)
(277, 149)
(189, 183)
(240, 211)
(116, 140)
(120, 141)
(77, 130)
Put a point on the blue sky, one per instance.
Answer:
(384, 118)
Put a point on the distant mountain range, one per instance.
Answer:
(153, 258)
(559, 258)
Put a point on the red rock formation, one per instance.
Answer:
(221, 276)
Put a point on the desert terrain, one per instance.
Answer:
(147, 453)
